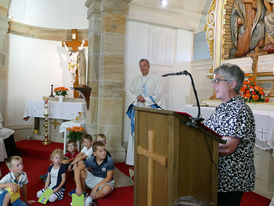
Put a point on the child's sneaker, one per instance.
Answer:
(88, 201)
(72, 192)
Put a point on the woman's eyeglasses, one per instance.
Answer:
(217, 80)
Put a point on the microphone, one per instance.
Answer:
(194, 120)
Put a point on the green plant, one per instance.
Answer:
(76, 133)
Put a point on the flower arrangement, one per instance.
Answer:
(76, 133)
(251, 92)
(61, 91)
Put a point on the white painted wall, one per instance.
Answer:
(61, 14)
(34, 63)
(137, 46)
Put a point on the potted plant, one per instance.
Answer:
(61, 92)
(251, 92)
(76, 134)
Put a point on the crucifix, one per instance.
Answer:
(255, 57)
(151, 157)
(75, 54)
(55, 123)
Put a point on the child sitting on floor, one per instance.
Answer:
(14, 181)
(100, 179)
(71, 153)
(56, 177)
(103, 138)
(86, 151)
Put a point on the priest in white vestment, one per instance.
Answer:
(144, 91)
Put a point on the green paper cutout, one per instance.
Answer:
(45, 196)
(77, 200)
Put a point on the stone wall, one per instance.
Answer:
(4, 48)
(107, 21)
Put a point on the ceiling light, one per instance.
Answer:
(163, 2)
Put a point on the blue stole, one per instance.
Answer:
(131, 114)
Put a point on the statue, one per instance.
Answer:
(247, 26)
(269, 26)
(77, 61)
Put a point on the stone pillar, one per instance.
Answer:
(107, 21)
(4, 47)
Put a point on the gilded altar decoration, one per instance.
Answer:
(61, 91)
(251, 92)
(76, 133)
(209, 27)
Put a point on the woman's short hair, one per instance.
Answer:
(189, 201)
(231, 72)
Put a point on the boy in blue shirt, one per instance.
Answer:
(100, 179)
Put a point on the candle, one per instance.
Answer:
(46, 102)
(51, 82)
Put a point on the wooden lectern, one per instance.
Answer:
(172, 159)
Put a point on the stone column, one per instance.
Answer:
(107, 21)
(4, 47)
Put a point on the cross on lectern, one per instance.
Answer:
(74, 44)
(151, 157)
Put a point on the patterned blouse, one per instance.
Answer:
(235, 119)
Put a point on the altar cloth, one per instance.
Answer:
(56, 110)
(4, 134)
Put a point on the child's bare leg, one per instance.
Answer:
(75, 166)
(104, 191)
(83, 177)
(6, 200)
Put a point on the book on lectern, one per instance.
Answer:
(77, 200)
(13, 195)
(45, 196)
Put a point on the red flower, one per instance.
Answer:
(255, 97)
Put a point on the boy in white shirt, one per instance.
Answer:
(86, 151)
(14, 180)
(84, 154)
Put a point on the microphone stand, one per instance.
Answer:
(194, 120)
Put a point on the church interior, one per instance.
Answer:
(69, 63)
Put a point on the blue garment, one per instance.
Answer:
(131, 114)
(100, 170)
(17, 202)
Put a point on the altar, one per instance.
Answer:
(58, 112)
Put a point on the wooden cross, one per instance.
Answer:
(255, 57)
(151, 157)
(74, 44)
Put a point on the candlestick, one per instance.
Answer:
(51, 90)
(46, 140)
